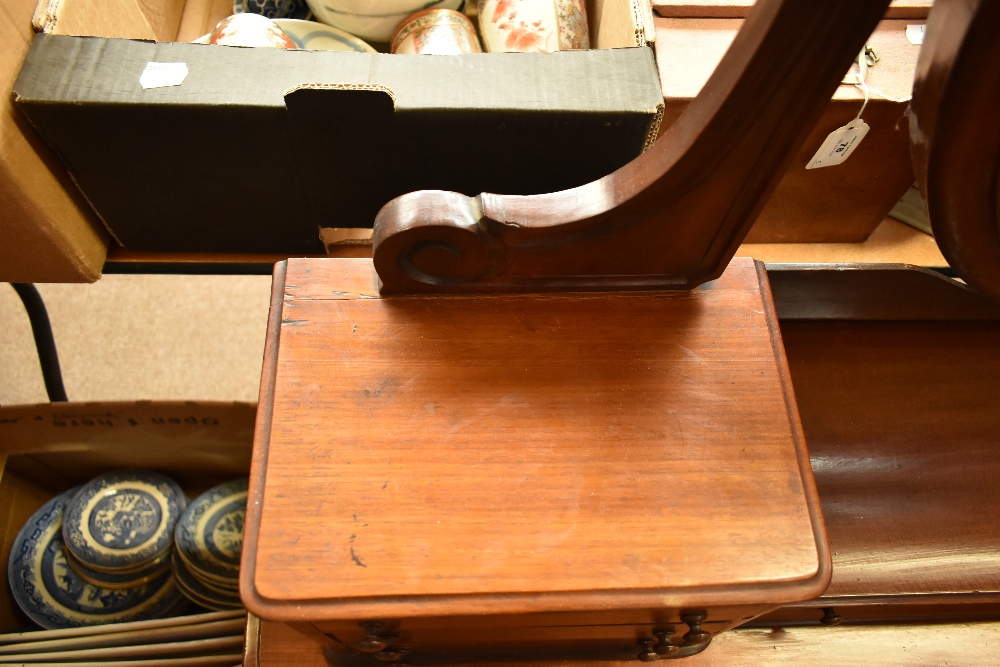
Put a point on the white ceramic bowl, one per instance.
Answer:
(320, 37)
(373, 20)
(315, 36)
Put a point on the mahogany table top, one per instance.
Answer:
(525, 453)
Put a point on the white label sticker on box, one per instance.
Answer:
(915, 33)
(161, 75)
(839, 145)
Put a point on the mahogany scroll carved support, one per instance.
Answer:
(671, 218)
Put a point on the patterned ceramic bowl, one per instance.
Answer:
(373, 20)
(250, 30)
(321, 37)
(123, 520)
(314, 36)
(533, 25)
(273, 9)
(442, 32)
(209, 534)
(51, 593)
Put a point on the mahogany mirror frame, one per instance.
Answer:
(955, 136)
(673, 217)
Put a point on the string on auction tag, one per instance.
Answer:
(840, 143)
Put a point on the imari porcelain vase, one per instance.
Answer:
(533, 25)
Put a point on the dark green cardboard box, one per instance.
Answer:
(257, 149)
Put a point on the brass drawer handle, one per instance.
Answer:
(664, 647)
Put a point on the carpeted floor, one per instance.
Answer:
(141, 337)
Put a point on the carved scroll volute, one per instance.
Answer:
(671, 218)
(435, 239)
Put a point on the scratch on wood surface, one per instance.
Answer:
(294, 322)
(691, 353)
(357, 561)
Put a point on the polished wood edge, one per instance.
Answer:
(955, 136)
(261, 439)
(824, 568)
(374, 607)
(980, 597)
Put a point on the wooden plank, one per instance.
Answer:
(892, 242)
(883, 645)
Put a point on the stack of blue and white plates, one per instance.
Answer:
(96, 553)
(208, 542)
(118, 528)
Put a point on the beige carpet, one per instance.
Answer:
(141, 337)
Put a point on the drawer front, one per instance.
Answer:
(612, 635)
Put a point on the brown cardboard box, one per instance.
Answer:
(48, 448)
(160, 200)
(47, 229)
(837, 204)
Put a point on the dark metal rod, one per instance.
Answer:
(45, 343)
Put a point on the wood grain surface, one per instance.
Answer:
(902, 421)
(955, 130)
(671, 218)
(422, 456)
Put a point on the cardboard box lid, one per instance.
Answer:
(450, 455)
(276, 144)
(59, 445)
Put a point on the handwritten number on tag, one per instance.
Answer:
(839, 145)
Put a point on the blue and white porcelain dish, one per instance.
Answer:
(123, 520)
(147, 574)
(51, 593)
(198, 593)
(209, 534)
(273, 9)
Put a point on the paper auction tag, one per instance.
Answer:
(915, 33)
(161, 75)
(839, 144)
